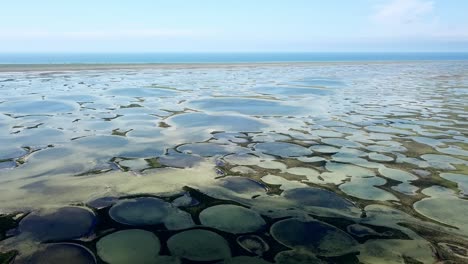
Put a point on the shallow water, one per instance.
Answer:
(319, 163)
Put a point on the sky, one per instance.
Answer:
(233, 26)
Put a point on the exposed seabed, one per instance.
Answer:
(246, 163)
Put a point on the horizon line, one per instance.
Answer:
(219, 52)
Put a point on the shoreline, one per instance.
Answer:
(5, 68)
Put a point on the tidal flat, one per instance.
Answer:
(249, 163)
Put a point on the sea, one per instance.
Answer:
(236, 57)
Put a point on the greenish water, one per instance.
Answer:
(298, 163)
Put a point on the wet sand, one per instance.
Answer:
(141, 66)
(242, 163)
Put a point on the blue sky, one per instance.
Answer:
(233, 25)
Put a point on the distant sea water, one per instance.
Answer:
(131, 58)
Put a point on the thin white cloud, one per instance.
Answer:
(403, 11)
(412, 19)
